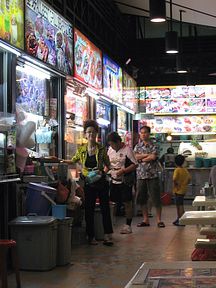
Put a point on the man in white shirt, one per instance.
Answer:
(122, 163)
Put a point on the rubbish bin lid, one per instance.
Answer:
(41, 187)
(33, 220)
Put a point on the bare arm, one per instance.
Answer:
(150, 157)
(141, 156)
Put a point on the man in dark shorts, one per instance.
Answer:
(148, 185)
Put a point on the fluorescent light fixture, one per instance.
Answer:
(79, 128)
(157, 10)
(128, 61)
(30, 69)
(92, 93)
(9, 49)
(39, 63)
(182, 71)
(103, 122)
(106, 99)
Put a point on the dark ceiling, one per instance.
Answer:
(124, 36)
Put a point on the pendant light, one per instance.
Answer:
(171, 37)
(157, 9)
(180, 64)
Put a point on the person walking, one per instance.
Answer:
(122, 165)
(93, 157)
(148, 185)
(181, 178)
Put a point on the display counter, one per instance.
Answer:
(199, 177)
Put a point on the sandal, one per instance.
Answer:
(161, 225)
(143, 224)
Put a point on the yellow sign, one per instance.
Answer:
(12, 22)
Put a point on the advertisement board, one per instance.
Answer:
(12, 22)
(121, 120)
(112, 79)
(129, 92)
(87, 61)
(181, 99)
(48, 36)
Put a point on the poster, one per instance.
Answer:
(48, 36)
(181, 99)
(87, 61)
(122, 120)
(129, 92)
(76, 105)
(31, 92)
(12, 22)
(182, 124)
(112, 79)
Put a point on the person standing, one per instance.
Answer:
(148, 185)
(122, 163)
(181, 178)
(93, 157)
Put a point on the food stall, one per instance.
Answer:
(186, 115)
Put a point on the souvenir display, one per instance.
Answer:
(112, 79)
(87, 61)
(48, 36)
(12, 22)
(122, 120)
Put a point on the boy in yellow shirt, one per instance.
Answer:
(181, 178)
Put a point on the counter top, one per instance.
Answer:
(198, 218)
(203, 201)
(190, 168)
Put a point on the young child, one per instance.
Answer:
(181, 178)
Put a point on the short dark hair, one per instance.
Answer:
(90, 123)
(147, 128)
(179, 160)
(114, 137)
(170, 150)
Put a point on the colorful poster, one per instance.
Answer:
(103, 111)
(122, 120)
(129, 95)
(112, 79)
(182, 124)
(48, 36)
(181, 99)
(12, 22)
(76, 105)
(31, 92)
(87, 61)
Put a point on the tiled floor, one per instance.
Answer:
(112, 267)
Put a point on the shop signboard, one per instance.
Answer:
(129, 92)
(12, 22)
(182, 124)
(87, 61)
(48, 36)
(181, 99)
(112, 79)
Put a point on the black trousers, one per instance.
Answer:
(99, 190)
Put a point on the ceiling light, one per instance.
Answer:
(9, 49)
(128, 61)
(157, 10)
(171, 37)
(171, 42)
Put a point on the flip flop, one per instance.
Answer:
(161, 225)
(143, 224)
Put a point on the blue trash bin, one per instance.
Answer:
(35, 202)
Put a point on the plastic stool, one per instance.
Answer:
(4, 245)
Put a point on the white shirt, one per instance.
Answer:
(117, 161)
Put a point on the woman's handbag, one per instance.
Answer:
(93, 177)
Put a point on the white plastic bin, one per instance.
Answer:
(64, 241)
(36, 238)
